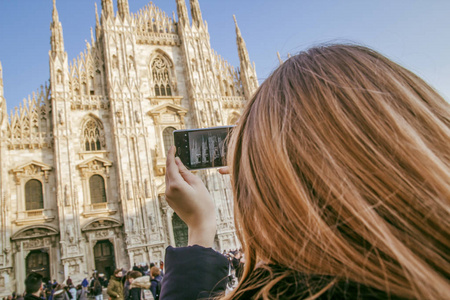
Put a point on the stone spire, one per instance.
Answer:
(123, 8)
(183, 17)
(107, 8)
(247, 70)
(242, 48)
(97, 22)
(1, 82)
(56, 40)
(3, 114)
(196, 13)
(279, 58)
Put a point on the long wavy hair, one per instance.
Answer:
(340, 167)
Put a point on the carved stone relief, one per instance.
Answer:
(32, 169)
(101, 224)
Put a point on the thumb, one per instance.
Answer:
(184, 172)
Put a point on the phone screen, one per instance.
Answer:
(202, 148)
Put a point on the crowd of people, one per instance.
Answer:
(142, 282)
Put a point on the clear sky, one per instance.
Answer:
(414, 33)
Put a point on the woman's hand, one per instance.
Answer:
(190, 199)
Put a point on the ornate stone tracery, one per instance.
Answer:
(162, 75)
(95, 165)
(93, 135)
(31, 170)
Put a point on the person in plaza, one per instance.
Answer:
(155, 275)
(238, 262)
(340, 168)
(48, 290)
(61, 292)
(69, 281)
(103, 281)
(96, 288)
(85, 284)
(81, 293)
(73, 292)
(139, 286)
(126, 286)
(33, 286)
(115, 286)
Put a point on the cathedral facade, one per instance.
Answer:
(83, 160)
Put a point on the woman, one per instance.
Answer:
(155, 275)
(340, 167)
(115, 287)
(60, 293)
(138, 284)
(97, 288)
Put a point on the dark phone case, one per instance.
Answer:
(183, 148)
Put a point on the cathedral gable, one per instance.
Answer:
(32, 232)
(168, 113)
(95, 165)
(100, 224)
(32, 169)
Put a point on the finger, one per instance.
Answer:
(184, 172)
(224, 170)
(171, 167)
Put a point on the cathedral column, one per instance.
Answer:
(90, 262)
(20, 198)
(169, 215)
(221, 244)
(19, 267)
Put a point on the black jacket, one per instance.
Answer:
(31, 297)
(193, 272)
(196, 272)
(135, 294)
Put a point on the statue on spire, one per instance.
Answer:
(196, 13)
(56, 40)
(3, 113)
(107, 8)
(183, 17)
(247, 70)
(123, 9)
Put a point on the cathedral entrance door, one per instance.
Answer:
(37, 261)
(104, 258)
(180, 231)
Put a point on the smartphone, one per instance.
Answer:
(202, 148)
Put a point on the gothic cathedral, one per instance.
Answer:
(83, 160)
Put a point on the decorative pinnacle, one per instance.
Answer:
(55, 12)
(238, 31)
(97, 23)
(196, 13)
(279, 58)
(183, 17)
(1, 79)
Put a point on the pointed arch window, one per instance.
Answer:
(168, 138)
(33, 195)
(97, 189)
(93, 136)
(161, 77)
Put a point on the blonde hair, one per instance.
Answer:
(341, 169)
(155, 271)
